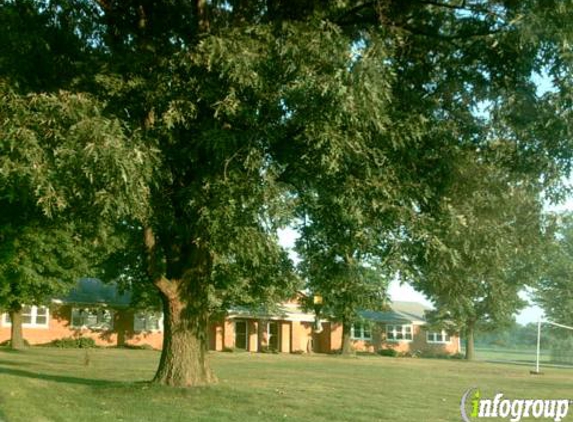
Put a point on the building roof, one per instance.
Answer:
(91, 291)
(399, 312)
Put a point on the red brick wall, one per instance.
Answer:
(59, 327)
(379, 341)
(294, 336)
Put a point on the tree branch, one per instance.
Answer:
(158, 279)
(353, 12)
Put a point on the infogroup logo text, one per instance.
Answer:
(473, 407)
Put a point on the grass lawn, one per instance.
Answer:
(43, 384)
(511, 354)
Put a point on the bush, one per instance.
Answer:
(136, 346)
(388, 352)
(432, 354)
(233, 350)
(73, 343)
(411, 354)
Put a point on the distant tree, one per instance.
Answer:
(554, 290)
(514, 335)
(487, 249)
(37, 262)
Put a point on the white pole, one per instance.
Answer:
(538, 343)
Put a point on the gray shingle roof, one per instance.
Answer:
(399, 312)
(91, 291)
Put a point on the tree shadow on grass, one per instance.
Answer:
(62, 378)
(12, 363)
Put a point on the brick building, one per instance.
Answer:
(99, 311)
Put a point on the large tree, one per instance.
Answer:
(248, 106)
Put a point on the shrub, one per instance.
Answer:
(136, 346)
(411, 354)
(233, 350)
(388, 352)
(433, 354)
(73, 343)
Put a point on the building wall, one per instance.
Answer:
(59, 327)
(379, 341)
(294, 336)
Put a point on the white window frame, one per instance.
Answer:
(33, 318)
(402, 331)
(360, 335)
(431, 337)
(145, 317)
(95, 328)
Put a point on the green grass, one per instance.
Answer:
(43, 384)
(510, 354)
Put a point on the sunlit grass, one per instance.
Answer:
(43, 384)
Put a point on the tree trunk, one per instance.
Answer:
(470, 349)
(346, 343)
(16, 335)
(185, 302)
(183, 360)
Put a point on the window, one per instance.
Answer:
(399, 332)
(360, 331)
(148, 321)
(32, 316)
(94, 318)
(437, 337)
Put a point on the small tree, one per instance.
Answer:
(486, 249)
(67, 172)
(37, 262)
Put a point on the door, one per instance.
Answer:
(273, 335)
(241, 335)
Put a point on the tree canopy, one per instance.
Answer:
(487, 248)
(214, 123)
